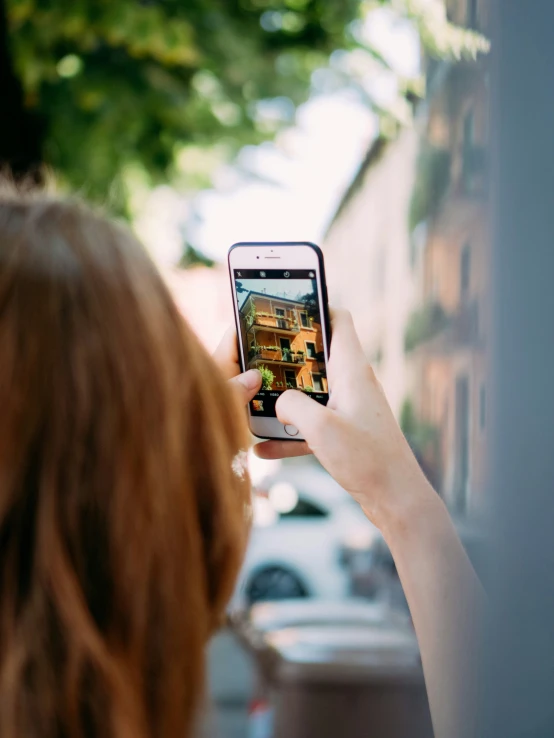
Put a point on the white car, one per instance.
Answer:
(302, 521)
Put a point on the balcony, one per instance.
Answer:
(436, 332)
(270, 355)
(277, 323)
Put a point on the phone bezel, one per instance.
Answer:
(294, 255)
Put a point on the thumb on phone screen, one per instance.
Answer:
(296, 408)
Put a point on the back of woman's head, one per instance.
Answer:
(122, 523)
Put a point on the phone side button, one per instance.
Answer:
(290, 430)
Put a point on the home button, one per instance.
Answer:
(290, 430)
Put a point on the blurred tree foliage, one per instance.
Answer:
(105, 90)
(192, 257)
(433, 179)
(117, 82)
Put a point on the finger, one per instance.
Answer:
(281, 449)
(296, 408)
(247, 385)
(226, 355)
(347, 358)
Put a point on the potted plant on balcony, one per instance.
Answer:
(300, 355)
(253, 351)
(287, 354)
(308, 389)
(271, 352)
(267, 377)
(251, 315)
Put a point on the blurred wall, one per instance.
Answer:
(203, 295)
(368, 257)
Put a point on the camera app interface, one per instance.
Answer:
(281, 333)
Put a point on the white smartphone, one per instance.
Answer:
(282, 317)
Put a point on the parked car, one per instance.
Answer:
(302, 521)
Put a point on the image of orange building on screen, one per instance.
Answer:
(283, 338)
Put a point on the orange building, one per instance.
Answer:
(281, 335)
(447, 337)
(414, 227)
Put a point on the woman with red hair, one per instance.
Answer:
(124, 502)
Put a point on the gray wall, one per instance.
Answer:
(519, 669)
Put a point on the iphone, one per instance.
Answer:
(283, 326)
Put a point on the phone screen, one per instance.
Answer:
(281, 333)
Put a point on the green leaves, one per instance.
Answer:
(424, 324)
(441, 38)
(433, 180)
(122, 85)
(267, 377)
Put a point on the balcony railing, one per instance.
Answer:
(438, 332)
(280, 356)
(274, 322)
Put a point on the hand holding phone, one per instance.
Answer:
(282, 318)
(356, 438)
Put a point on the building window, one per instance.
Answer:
(290, 379)
(462, 445)
(473, 14)
(281, 320)
(317, 380)
(468, 152)
(465, 271)
(310, 350)
(482, 407)
(304, 320)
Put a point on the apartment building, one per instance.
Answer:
(284, 336)
(408, 253)
(447, 335)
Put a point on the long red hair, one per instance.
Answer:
(122, 521)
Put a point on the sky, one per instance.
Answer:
(290, 288)
(312, 163)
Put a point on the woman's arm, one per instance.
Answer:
(446, 603)
(359, 442)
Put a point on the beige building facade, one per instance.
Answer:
(370, 262)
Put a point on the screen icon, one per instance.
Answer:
(262, 274)
(312, 275)
(286, 275)
(239, 274)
